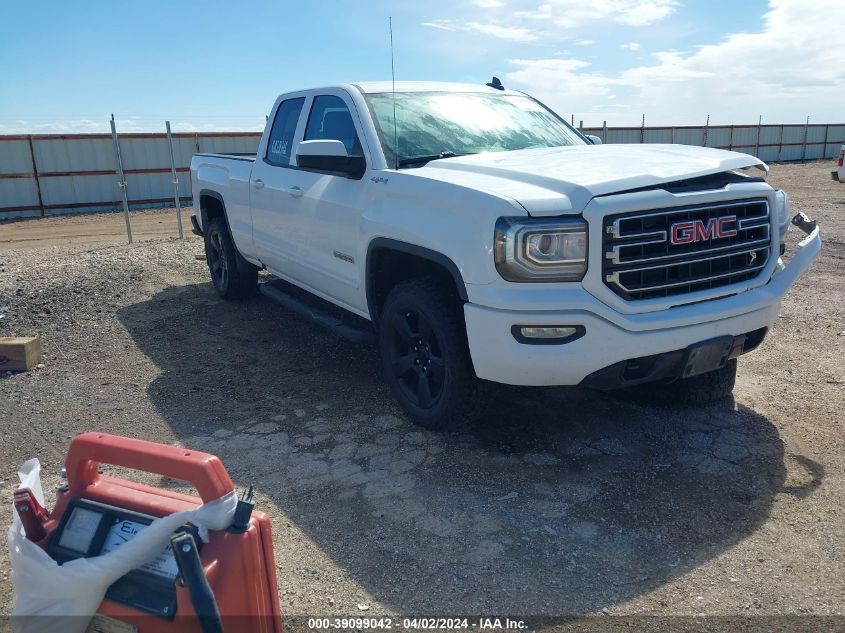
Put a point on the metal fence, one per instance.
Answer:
(770, 143)
(50, 174)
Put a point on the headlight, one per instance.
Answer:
(541, 250)
(783, 213)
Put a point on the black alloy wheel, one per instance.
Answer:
(217, 263)
(425, 357)
(416, 359)
(231, 280)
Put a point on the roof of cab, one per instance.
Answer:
(370, 87)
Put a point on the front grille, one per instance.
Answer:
(642, 262)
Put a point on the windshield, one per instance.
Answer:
(442, 124)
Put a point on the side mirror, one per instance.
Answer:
(329, 155)
(595, 140)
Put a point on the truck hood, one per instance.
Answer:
(559, 180)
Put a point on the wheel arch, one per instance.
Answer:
(217, 206)
(212, 205)
(405, 261)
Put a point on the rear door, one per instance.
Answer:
(271, 202)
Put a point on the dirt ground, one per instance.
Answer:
(562, 502)
(90, 230)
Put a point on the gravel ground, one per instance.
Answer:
(563, 501)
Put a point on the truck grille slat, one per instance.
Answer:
(731, 242)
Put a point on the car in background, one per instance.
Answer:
(839, 173)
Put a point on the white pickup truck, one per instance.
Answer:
(486, 240)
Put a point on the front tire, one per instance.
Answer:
(229, 281)
(425, 356)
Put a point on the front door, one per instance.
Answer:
(329, 206)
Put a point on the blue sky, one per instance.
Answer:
(64, 66)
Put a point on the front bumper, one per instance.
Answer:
(681, 363)
(612, 337)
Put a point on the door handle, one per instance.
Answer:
(258, 184)
(295, 192)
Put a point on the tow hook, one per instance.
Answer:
(804, 223)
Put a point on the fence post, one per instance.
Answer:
(824, 147)
(757, 142)
(121, 183)
(706, 130)
(35, 175)
(604, 131)
(581, 126)
(673, 134)
(175, 182)
(197, 141)
(804, 143)
(780, 142)
(642, 130)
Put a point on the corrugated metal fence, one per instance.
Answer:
(770, 143)
(47, 174)
(50, 174)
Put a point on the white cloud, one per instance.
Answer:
(631, 46)
(645, 13)
(788, 69)
(517, 21)
(573, 14)
(443, 25)
(510, 33)
(584, 42)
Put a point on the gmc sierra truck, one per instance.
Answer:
(488, 241)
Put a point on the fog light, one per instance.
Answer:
(550, 334)
(547, 332)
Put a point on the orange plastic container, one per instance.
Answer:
(240, 567)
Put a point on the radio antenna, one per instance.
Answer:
(393, 80)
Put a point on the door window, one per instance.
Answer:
(280, 143)
(330, 120)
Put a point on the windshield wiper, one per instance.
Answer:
(415, 160)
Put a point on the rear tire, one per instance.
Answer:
(229, 281)
(699, 390)
(425, 356)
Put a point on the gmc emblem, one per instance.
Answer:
(698, 231)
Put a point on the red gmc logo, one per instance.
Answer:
(699, 231)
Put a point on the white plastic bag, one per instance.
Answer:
(53, 598)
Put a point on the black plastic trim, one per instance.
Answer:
(580, 331)
(667, 366)
(379, 243)
(195, 226)
(707, 182)
(347, 166)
